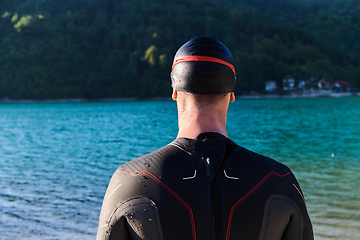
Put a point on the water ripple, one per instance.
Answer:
(57, 159)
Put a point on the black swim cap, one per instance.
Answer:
(203, 65)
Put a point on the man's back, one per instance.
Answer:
(208, 188)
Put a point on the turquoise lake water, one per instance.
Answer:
(56, 159)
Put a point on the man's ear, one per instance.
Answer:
(232, 97)
(174, 95)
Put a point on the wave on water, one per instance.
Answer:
(57, 159)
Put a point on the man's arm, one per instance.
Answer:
(286, 216)
(127, 217)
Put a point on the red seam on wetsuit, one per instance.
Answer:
(203, 59)
(144, 172)
(247, 195)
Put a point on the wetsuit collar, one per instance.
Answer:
(206, 135)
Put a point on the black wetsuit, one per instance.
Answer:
(204, 189)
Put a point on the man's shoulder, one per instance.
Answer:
(249, 159)
(165, 155)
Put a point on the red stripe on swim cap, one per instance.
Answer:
(203, 59)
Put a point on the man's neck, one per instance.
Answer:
(194, 123)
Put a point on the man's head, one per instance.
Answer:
(203, 65)
(203, 79)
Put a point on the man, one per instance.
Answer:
(203, 185)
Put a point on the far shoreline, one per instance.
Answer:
(134, 99)
(317, 94)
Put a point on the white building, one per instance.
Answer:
(288, 83)
(270, 86)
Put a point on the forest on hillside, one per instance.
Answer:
(93, 49)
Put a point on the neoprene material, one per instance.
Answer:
(209, 70)
(205, 189)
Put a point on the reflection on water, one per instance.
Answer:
(56, 159)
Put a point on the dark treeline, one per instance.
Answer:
(92, 49)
